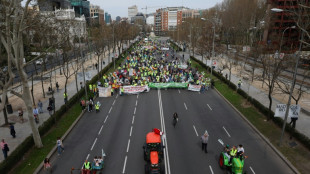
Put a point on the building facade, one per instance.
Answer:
(167, 19)
(96, 14)
(107, 18)
(81, 7)
(132, 12)
(51, 5)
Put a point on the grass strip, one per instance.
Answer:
(298, 156)
(35, 156)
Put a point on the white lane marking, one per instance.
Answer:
(252, 170)
(136, 102)
(106, 118)
(128, 146)
(135, 111)
(100, 130)
(130, 131)
(185, 106)
(226, 131)
(93, 144)
(163, 128)
(195, 130)
(137, 96)
(116, 96)
(110, 109)
(179, 91)
(211, 169)
(199, 92)
(87, 157)
(113, 103)
(125, 164)
(133, 120)
(209, 107)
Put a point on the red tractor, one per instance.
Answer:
(153, 153)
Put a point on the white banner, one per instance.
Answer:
(104, 92)
(88, 76)
(135, 89)
(194, 87)
(281, 109)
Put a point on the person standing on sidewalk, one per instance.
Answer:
(5, 148)
(21, 114)
(40, 104)
(35, 112)
(12, 130)
(65, 97)
(204, 141)
(239, 83)
(60, 147)
(57, 86)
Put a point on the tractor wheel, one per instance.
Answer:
(221, 162)
(147, 168)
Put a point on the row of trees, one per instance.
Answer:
(239, 23)
(24, 30)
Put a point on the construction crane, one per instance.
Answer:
(146, 7)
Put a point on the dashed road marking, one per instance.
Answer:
(195, 130)
(125, 164)
(179, 91)
(116, 96)
(128, 146)
(106, 118)
(211, 169)
(100, 130)
(110, 109)
(226, 131)
(130, 131)
(136, 102)
(93, 144)
(133, 120)
(135, 111)
(87, 157)
(209, 107)
(252, 170)
(185, 106)
(137, 96)
(113, 103)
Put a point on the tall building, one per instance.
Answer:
(167, 19)
(132, 12)
(51, 5)
(118, 18)
(81, 7)
(107, 18)
(96, 14)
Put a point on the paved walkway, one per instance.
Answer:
(23, 130)
(303, 122)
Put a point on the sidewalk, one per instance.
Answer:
(23, 130)
(255, 91)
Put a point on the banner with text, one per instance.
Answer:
(135, 89)
(194, 87)
(168, 85)
(281, 109)
(104, 92)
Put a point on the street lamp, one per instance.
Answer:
(213, 53)
(190, 38)
(277, 10)
(292, 27)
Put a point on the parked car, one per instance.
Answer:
(40, 61)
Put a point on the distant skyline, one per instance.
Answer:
(120, 7)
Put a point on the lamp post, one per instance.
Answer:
(213, 53)
(190, 38)
(292, 27)
(277, 10)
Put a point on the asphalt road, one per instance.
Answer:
(121, 126)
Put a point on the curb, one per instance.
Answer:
(290, 165)
(63, 138)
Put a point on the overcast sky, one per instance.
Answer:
(120, 7)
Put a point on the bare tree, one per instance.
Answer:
(12, 38)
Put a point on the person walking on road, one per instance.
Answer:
(57, 86)
(86, 167)
(47, 166)
(40, 104)
(5, 148)
(204, 141)
(12, 130)
(175, 119)
(60, 147)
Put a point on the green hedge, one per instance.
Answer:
(28, 143)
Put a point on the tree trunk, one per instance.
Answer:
(270, 104)
(33, 101)
(42, 84)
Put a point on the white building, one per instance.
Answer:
(132, 12)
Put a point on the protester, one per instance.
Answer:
(65, 97)
(12, 130)
(204, 141)
(5, 148)
(21, 114)
(35, 112)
